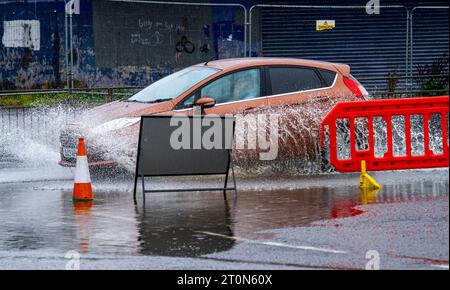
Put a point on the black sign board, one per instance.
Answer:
(185, 145)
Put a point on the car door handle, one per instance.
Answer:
(249, 108)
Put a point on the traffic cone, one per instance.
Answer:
(82, 188)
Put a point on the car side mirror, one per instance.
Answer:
(205, 102)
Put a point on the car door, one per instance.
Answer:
(303, 89)
(233, 92)
(290, 85)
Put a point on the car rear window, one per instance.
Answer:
(293, 79)
(328, 76)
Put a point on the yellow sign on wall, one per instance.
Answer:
(325, 25)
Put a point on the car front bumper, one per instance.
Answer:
(68, 152)
(95, 164)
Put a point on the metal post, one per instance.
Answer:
(66, 45)
(407, 85)
(71, 53)
(245, 31)
(411, 42)
(250, 31)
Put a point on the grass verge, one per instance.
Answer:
(52, 99)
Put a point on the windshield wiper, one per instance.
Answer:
(148, 102)
(159, 100)
(131, 101)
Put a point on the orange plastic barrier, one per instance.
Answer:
(387, 109)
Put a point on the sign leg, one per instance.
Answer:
(135, 186)
(225, 187)
(234, 178)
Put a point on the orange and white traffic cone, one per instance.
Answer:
(82, 188)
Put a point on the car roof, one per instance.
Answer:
(234, 63)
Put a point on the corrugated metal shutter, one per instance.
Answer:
(373, 45)
(430, 36)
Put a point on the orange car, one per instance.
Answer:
(220, 87)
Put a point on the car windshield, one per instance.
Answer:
(173, 85)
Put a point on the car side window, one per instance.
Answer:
(328, 76)
(187, 102)
(241, 85)
(293, 79)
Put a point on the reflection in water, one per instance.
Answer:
(39, 218)
(83, 223)
(368, 196)
(179, 231)
(346, 207)
(262, 210)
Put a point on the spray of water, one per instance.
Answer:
(32, 136)
(119, 146)
(298, 140)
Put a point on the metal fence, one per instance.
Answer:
(429, 47)
(35, 122)
(110, 46)
(385, 51)
(23, 128)
(138, 42)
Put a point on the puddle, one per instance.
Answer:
(42, 216)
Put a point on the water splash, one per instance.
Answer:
(119, 146)
(30, 136)
(299, 140)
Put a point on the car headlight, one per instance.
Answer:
(116, 124)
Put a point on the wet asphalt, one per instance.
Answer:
(301, 222)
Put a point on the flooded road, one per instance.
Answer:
(274, 223)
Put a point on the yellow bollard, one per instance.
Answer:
(367, 196)
(366, 182)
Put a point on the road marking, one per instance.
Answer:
(276, 244)
(115, 217)
(440, 266)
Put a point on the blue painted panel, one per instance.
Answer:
(25, 68)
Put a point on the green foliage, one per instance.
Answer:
(52, 99)
(433, 79)
(392, 82)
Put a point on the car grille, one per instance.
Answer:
(69, 143)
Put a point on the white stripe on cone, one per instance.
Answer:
(82, 170)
